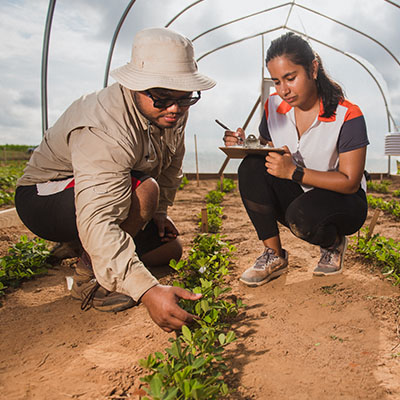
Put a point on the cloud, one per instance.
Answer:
(82, 31)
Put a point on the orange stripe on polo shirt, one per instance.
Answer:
(353, 111)
(283, 107)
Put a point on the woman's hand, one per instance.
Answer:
(281, 166)
(234, 138)
(162, 304)
(166, 227)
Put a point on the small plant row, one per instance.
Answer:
(9, 174)
(391, 207)
(25, 259)
(382, 251)
(15, 147)
(213, 203)
(193, 367)
(378, 187)
(184, 182)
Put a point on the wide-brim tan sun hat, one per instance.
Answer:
(162, 58)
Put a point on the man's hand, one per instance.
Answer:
(281, 166)
(166, 227)
(162, 304)
(234, 138)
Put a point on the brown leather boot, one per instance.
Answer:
(86, 288)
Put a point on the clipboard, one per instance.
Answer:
(241, 151)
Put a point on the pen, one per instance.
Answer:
(222, 125)
(240, 139)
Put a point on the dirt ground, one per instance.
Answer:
(300, 337)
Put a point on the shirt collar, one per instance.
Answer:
(284, 108)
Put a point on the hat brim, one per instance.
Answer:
(136, 80)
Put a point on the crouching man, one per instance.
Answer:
(106, 172)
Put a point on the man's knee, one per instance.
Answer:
(145, 197)
(176, 249)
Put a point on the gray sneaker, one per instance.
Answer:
(266, 267)
(331, 261)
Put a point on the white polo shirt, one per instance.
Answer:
(319, 146)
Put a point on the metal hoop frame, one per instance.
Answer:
(292, 4)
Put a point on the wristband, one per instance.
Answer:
(298, 174)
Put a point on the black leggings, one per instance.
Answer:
(317, 216)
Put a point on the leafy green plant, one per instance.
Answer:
(379, 187)
(396, 193)
(15, 147)
(214, 217)
(9, 174)
(184, 182)
(391, 207)
(228, 185)
(188, 370)
(6, 198)
(208, 259)
(25, 259)
(383, 251)
(214, 197)
(193, 366)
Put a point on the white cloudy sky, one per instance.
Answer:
(82, 31)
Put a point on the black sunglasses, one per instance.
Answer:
(165, 103)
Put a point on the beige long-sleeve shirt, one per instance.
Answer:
(98, 140)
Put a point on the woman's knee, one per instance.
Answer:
(299, 222)
(251, 165)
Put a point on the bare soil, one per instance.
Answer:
(300, 337)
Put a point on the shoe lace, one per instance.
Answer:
(264, 259)
(327, 254)
(87, 302)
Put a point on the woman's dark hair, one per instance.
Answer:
(299, 52)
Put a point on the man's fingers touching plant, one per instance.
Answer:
(162, 304)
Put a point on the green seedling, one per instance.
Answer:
(385, 253)
(25, 259)
(391, 207)
(228, 185)
(379, 187)
(214, 217)
(214, 197)
(9, 174)
(184, 182)
(193, 367)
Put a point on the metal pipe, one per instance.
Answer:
(392, 3)
(353, 29)
(238, 41)
(239, 19)
(389, 116)
(114, 40)
(290, 12)
(45, 57)
(180, 13)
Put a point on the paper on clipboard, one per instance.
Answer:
(241, 151)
